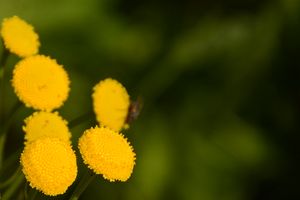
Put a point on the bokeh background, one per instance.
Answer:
(220, 82)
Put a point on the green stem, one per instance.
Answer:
(83, 184)
(32, 193)
(2, 145)
(13, 111)
(3, 61)
(10, 179)
(11, 160)
(9, 119)
(12, 189)
(4, 57)
(26, 191)
(80, 119)
(4, 128)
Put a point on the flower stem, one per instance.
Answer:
(4, 128)
(10, 161)
(26, 190)
(4, 56)
(3, 61)
(10, 116)
(10, 179)
(2, 145)
(18, 180)
(82, 185)
(32, 193)
(14, 110)
(80, 119)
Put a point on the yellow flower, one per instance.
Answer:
(49, 165)
(40, 82)
(46, 124)
(19, 37)
(107, 152)
(111, 103)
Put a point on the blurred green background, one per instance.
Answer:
(220, 82)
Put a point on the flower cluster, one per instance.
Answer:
(48, 160)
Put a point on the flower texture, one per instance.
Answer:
(19, 37)
(49, 165)
(111, 102)
(46, 124)
(107, 152)
(40, 82)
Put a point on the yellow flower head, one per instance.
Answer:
(19, 37)
(40, 82)
(111, 103)
(49, 165)
(46, 124)
(107, 152)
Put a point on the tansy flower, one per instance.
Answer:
(19, 37)
(111, 102)
(49, 165)
(107, 152)
(40, 82)
(46, 124)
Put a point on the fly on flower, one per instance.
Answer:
(134, 110)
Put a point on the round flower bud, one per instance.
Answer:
(49, 165)
(111, 102)
(19, 37)
(107, 152)
(40, 83)
(45, 124)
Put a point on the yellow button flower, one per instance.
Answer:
(19, 37)
(49, 165)
(107, 152)
(40, 82)
(111, 102)
(46, 124)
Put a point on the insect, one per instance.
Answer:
(134, 110)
